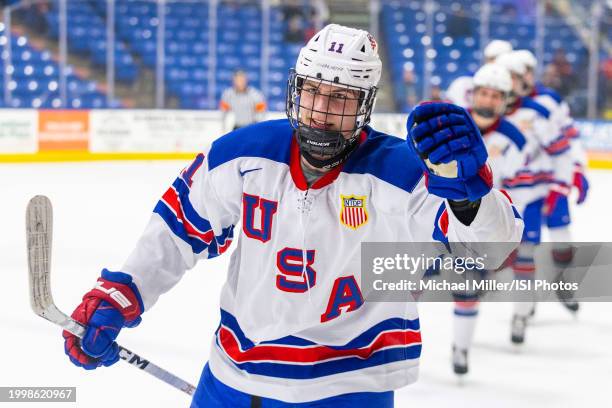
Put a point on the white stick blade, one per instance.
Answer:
(39, 233)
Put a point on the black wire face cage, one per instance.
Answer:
(326, 122)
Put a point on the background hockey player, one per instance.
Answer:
(295, 330)
(505, 146)
(545, 180)
(459, 91)
(558, 218)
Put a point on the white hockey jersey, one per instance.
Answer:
(294, 324)
(546, 149)
(506, 147)
(560, 113)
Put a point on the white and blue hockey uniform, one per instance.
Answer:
(550, 99)
(560, 114)
(547, 163)
(294, 324)
(506, 148)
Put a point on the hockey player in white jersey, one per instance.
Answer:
(505, 146)
(459, 91)
(294, 328)
(558, 218)
(545, 180)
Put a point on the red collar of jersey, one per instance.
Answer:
(295, 167)
(512, 108)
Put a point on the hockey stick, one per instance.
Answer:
(39, 232)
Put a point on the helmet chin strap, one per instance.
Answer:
(306, 147)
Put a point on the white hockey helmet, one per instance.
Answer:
(341, 57)
(496, 48)
(512, 63)
(494, 76)
(527, 57)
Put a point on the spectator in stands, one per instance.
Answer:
(565, 72)
(410, 87)
(550, 77)
(245, 102)
(605, 95)
(319, 17)
(436, 93)
(320, 14)
(293, 8)
(294, 33)
(459, 24)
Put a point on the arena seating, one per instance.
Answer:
(34, 80)
(238, 39)
(404, 25)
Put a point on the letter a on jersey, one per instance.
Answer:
(353, 212)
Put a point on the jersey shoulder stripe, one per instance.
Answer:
(269, 140)
(509, 130)
(543, 90)
(388, 158)
(531, 104)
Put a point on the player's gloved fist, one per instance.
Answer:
(453, 154)
(112, 304)
(556, 192)
(581, 183)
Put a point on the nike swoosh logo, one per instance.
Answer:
(242, 173)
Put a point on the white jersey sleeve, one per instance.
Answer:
(191, 221)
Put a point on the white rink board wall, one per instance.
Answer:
(186, 131)
(18, 130)
(153, 130)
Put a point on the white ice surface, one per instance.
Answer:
(101, 209)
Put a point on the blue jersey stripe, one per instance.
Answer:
(360, 341)
(303, 372)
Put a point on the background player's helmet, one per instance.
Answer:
(530, 62)
(492, 76)
(341, 57)
(527, 58)
(496, 48)
(512, 63)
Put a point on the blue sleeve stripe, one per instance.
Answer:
(182, 190)
(184, 221)
(440, 229)
(458, 312)
(177, 227)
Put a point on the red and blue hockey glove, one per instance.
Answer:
(452, 152)
(556, 193)
(112, 304)
(581, 183)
